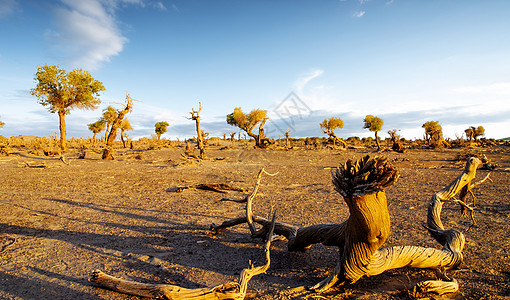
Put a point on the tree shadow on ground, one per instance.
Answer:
(15, 286)
(165, 249)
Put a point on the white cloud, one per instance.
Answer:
(7, 7)
(86, 33)
(162, 7)
(113, 5)
(301, 82)
(499, 88)
(359, 14)
(318, 96)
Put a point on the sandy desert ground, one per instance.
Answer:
(123, 217)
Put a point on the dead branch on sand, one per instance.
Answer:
(231, 290)
(213, 187)
(359, 238)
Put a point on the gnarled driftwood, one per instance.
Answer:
(359, 238)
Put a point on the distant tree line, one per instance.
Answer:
(62, 91)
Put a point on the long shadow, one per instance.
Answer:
(128, 226)
(112, 209)
(186, 245)
(124, 249)
(45, 158)
(25, 288)
(190, 245)
(101, 223)
(502, 209)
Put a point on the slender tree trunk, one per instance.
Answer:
(122, 138)
(106, 133)
(343, 143)
(200, 140)
(254, 136)
(287, 142)
(335, 138)
(195, 115)
(62, 127)
(94, 140)
(259, 138)
(233, 138)
(262, 134)
(188, 147)
(377, 141)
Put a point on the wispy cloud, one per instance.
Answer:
(319, 95)
(160, 6)
(301, 82)
(7, 7)
(87, 34)
(359, 14)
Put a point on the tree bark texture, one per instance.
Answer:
(62, 127)
(377, 141)
(123, 139)
(333, 136)
(362, 184)
(195, 115)
(107, 131)
(359, 238)
(107, 152)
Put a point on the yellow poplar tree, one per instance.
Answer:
(61, 91)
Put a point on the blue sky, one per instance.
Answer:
(407, 62)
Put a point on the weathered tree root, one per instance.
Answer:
(443, 286)
(231, 290)
(362, 184)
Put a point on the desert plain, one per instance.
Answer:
(60, 221)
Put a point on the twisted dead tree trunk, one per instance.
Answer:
(108, 150)
(396, 143)
(360, 237)
(231, 290)
(195, 116)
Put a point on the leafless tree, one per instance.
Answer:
(195, 116)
